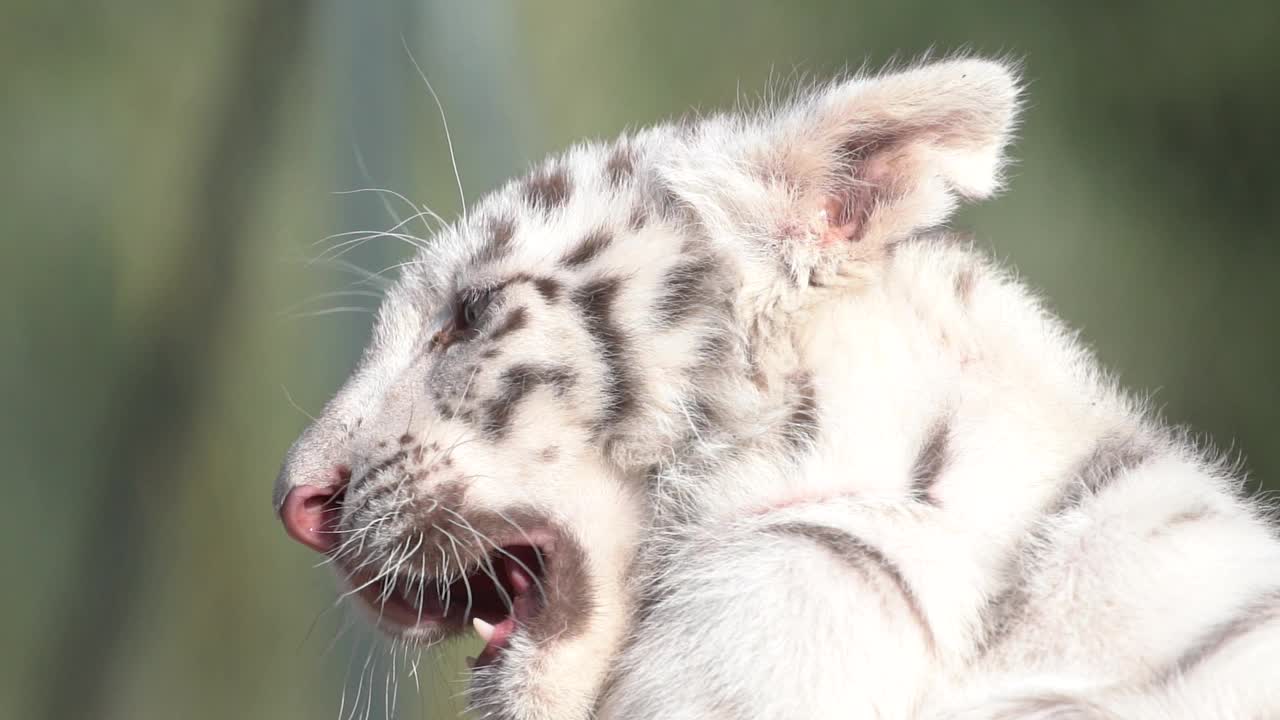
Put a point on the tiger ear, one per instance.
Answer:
(840, 176)
(894, 154)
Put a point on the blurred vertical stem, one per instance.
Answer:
(158, 395)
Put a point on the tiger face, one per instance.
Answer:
(485, 465)
(541, 372)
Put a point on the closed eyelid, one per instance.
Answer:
(479, 300)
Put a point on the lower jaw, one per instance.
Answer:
(403, 624)
(401, 619)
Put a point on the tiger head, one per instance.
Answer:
(546, 373)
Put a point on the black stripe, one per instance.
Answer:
(717, 349)
(1048, 705)
(1113, 456)
(1193, 514)
(801, 428)
(549, 288)
(683, 290)
(387, 464)
(1262, 611)
(548, 188)
(596, 300)
(964, 282)
(667, 203)
(621, 164)
(1003, 611)
(867, 559)
(588, 249)
(515, 385)
(703, 415)
(500, 231)
(639, 217)
(931, 461)
(515, 320)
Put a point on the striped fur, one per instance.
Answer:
(807, 456)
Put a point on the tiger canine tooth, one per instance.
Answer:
(484, 629)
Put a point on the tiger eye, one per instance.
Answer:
(473, 307)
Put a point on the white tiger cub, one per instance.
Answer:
(712, 422)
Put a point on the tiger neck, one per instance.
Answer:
(940, 373)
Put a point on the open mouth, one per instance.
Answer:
(497, 595)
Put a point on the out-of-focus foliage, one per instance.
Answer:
(167, 300)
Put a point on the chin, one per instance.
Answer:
(548, 622)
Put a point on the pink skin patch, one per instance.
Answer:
(826, 232)
(523, 604)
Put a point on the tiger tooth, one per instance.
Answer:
(484, 629)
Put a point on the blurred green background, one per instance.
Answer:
(172, 169)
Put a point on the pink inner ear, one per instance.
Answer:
(836, 223)
(879, 172)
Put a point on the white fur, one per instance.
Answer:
(709, 604)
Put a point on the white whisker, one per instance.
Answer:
(462, 197)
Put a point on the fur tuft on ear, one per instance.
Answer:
(832, 181)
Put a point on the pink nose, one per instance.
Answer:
(310, 514)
